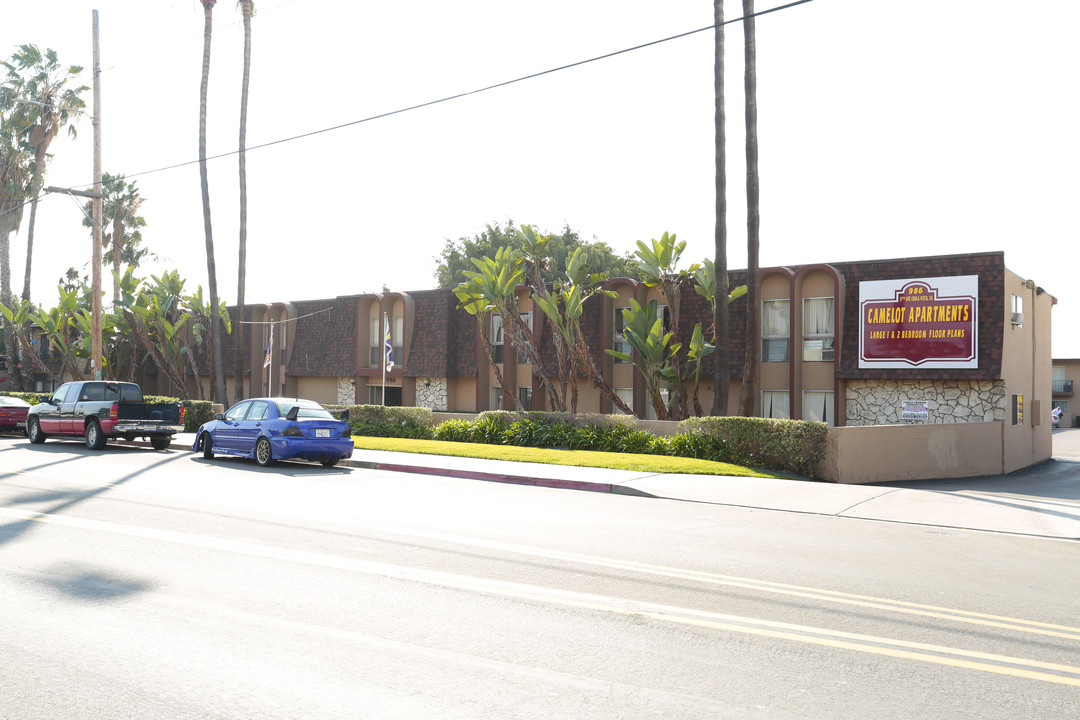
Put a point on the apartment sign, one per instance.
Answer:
(923, 322)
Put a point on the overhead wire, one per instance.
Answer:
(469, 93)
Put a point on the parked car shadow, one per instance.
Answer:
(289, 468)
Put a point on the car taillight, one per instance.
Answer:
(184, 410)
(114, 411)
(293, 431)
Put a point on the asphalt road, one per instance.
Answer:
(143, 584)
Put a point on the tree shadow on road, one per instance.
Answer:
(23, 521)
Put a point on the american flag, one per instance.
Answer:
(389, 346)
(269, 347)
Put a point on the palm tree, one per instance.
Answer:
(14, 189)
(219, 392)
(40, 96)
(752, 365)
(121, 202)
(247, 9)
(722, 354)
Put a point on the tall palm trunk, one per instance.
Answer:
(5, 297)
(245, 9)
(23, 374)
(10, 218)
(39, 162)
(751, 381)
(217, 372)
(722, 353)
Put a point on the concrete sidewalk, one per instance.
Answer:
(1042, 501)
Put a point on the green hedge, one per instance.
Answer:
(794, 446)
(196, 412)
(790, 446)
(31, 397)
(385, 421)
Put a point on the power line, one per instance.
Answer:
(468, 93)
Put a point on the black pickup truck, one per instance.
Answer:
(99, 411)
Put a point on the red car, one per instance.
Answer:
(12, 413)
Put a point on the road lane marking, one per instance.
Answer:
(973, 660)
(766, 586)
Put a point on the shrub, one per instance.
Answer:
(785, 445)
(386, 421)
(488, 428)
(638, 441)
(196, 412)
(453, 431)
(31, 397)
(794, 446)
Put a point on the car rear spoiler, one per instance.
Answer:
(294, 411)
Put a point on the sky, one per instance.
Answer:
(886, 130)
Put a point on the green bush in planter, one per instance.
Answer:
(793, 446)
(387, 421)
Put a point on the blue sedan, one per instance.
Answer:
(269, 429)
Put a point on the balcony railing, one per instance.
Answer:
(1063, 387)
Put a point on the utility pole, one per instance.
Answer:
(95, 286)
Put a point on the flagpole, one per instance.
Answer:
(270, 362)
(385, 321)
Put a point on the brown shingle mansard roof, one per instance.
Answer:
(444, 340)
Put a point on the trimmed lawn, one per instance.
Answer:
(579, 458)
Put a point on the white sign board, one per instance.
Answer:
(915, 410)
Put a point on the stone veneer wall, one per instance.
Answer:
(878, 402)
(431, 393)
(346, 391)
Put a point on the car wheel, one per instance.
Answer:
(206, 444)
(160, 443)
(331, 462)
(33, 431)
(263, 455)
(95, 439)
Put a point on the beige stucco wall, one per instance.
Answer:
(1026, 368)
(885, 453)
(319, 389)
(1072, 400)
(461, 394)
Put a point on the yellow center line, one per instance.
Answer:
(821, 595)
(942, 655)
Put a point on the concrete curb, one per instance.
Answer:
(586, 486)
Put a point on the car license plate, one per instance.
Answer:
(20, 424)
(322, 432)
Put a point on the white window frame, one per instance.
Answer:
(626, 394)
(376, 349)
(497, 343)
(771, 399)
(525, 396)
(1018, 309)
(812, 400)
(650, 411)
(618, 339)
(819, 346)
(1057, 378)
(496, 396)
(397, 342)
(768, 338)
(527, 318)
